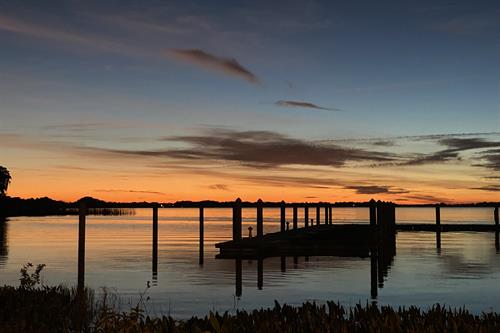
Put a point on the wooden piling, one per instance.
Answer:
(306, 216)
(495, 214)
(317, 215)
(237, 220)
(260, 219)
(81, 246)
(330, 217)
(326, 214)
(373, 214)
(295, 217)
(202, 235)
(155, 240)
(438, 215)
(283, 216)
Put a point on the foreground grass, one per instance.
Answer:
(32, 307)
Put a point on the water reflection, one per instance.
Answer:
(4, 250)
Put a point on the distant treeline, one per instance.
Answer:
(12, 206)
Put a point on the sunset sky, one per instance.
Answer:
(294, 100)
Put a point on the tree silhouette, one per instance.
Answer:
(4, 180)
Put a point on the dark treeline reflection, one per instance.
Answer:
(4, 250)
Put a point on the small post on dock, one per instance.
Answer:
(317, 215)
(373, 213)
(326, 214)
(260, 219)
(495, 213)
(283, 216)
(202, 232)
(330, 217)
(237, 220)
(155, 241)
(295, 217)
(306, 216)
(81, 246)
(260, 273)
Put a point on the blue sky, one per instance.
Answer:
(125, 75)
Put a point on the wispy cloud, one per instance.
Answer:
(228, 66)
(302, 104)
(130, 191)
(489, 188)
(222, 187)
(375, 189)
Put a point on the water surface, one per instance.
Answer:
(464, 272)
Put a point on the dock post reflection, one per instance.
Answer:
(373, 274)
(81, 246)
(260, 273)
(202, 236)
(497, 244)
(495, 214)
(283, 264)
(239, 278)
(155, 243)
(438, 241)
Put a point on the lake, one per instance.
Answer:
(464, 272)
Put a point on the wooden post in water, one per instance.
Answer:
(306, 216)
(81, 246)
(495, 213)
(155, 241)
(237, 220)
(330, 217)
(326, 214)
(295, 217)
(260, 219)
(283, 216)
(438, 215)
(317, 215)
(373, 213)
(202, 235)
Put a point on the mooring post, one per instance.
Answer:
(330, 216)
(295, 216)
(202, 235)
(380, 215)
(283, 216)
(373, 213)
(155, 240)
(260, 273)
(237, 220)
(326, 214)
(317, 215)
(260, 219)
(306, 216)
(495, 213)
(438, 215)
(81, 245)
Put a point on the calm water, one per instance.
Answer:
(465, 271)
